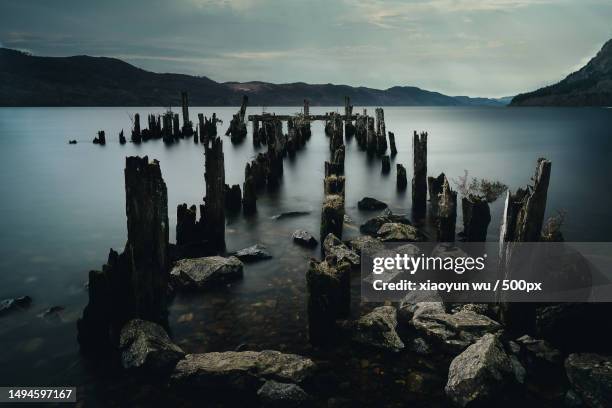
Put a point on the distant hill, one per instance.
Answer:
(27, 80)
(590, 86)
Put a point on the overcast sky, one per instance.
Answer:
(458, 47)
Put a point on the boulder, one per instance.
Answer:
(304, 238)
(452, 332)
(240, 370)
(591, 378)
(334, 247)
(366, 243)
(541, 360)
(378, 329)
(480, 373)
(372, 225)
(198, 273)
(417, 302)
(419, 346)
(371, 204)
(253, 253)
(274, 394)
(146, 346)
(10, 305)
(398, 232)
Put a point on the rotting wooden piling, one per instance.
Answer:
(402, 180)
(214, 202)
(419, 179)
(446, 217)
(392, 144)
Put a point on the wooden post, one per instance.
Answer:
(214, 209)
(329, 291)
(381, 132)
(349, 128)
(402, 180)
(521, 222)
(334, 184)
(392, 144)
(386, 164)
(306, 108)
(249, 198)
(447, 213)
(186, 225)
(187, 129)
(434, 185)
(332, 216)
(476, 218)
(233, 197)
(201, 128)
(176, 128)
(371, 140)
(419, 179)
(122, 137)
(136, 133)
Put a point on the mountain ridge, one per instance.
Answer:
(81, 80)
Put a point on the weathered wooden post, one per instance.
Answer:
(476, 218)
(419, 179)
(381, 132)
(446, 213)
(329, 291)
(276, 149)
(371, 139)
(386, 164)
(392, 144)
(100, 139)
(136, 133)
(186, 229)
(256, 141)
(434, 185)
(187, 129)
(237, 129)
(176, 126)
(334, 184)
(402, 180)
(233, 197)
(214, 209)
(349, 128)
(132, 284)
(306, 108)
(521, 222)
(249, 198)
(201, 128)
(332, 216)
(122, 138)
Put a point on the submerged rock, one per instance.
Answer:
(378, 329)
(290, 214)
(198, 273)
(54, 312)
(539, 357)
(304, 238)
(366, 243)
(274, 394)
(253, 253)
(146, 345)
(398, 232)
(480, 373)
(372, 225)
(371, 204)
(240, 370)
(591, 378)
(13, 304)
(334, 247)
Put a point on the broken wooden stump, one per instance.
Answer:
(136, 133)
(214, 202)
(328, 294)
(100, 139)
(334, 184)
(276, 150)
(132, 284)
(256, 141)
(237, 129)
(521, 222)
(361, 130)
(392, 144)
(381, 132)
(402, 180)
(249, 198)
(476, 218)
(233, 197)
(188, 229)
(349, 128)
(371, 139)
(122, 138)
(434, 185)
(446, 217)
(419, 179)
(187, 129)
(176, 128)
(201, 128)
(332, 216)
(336, 136)
(386, 164)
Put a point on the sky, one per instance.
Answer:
(489, 48)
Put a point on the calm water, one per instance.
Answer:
(62, 208)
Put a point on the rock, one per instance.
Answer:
(420, 346)
(253, 253)
(452, 332)
(480, 373)
(370, 204)
(591, 378)
(52, 313)
(290, 214)
(304, 238)
(372, 225)
(146, 346)
(10, 305)
(274, 394)
(417, 302)
(539, 357)
(240, 370)
(72, 142)
(572, 400)
(198, 273)
(377, 329)
(366, 243)
(333, 246)
(397, 232)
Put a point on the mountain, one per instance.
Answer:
(590, 86)
(27, 80)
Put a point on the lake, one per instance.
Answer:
(63, 208)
